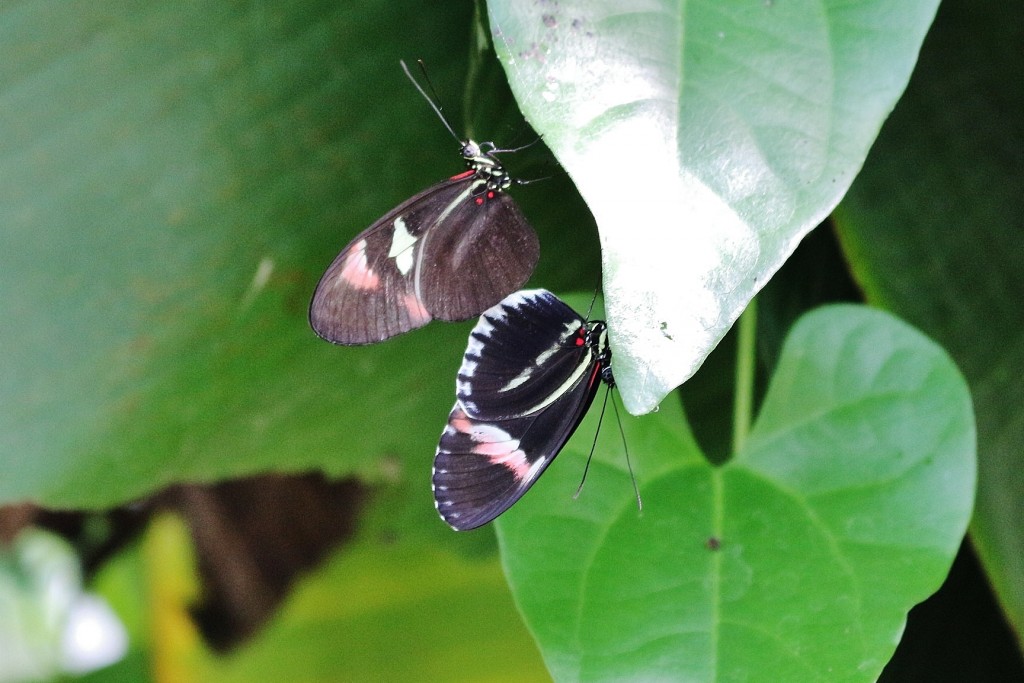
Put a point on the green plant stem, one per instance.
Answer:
(479, 44)
(743, 403)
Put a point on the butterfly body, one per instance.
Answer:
(449, 253)
(530, 372)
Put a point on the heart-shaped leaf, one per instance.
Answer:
(797, 560)
(707, 139)
(175, 178)
(933, 230)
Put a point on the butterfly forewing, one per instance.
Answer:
(522, 353)
(368, 293)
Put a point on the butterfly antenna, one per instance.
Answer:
(430, 101)
(593, 446)
(520, 181)
(593, 300)
(629, 464)
(513, 150)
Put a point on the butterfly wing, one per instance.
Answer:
(522, 354)
(529, 374)
(441, 254)
(368, 294)
(480, 252)
(482, 468)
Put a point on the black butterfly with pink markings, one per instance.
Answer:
(449, 252)
(529, 374)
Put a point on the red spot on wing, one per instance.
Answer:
(480, 200)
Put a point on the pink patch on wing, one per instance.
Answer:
(356, 270)
(492, 442)
(460, 422)
(418, 315)
(515, 461)
(481, 432)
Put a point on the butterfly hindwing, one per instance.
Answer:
(482, 250)
(483, 467)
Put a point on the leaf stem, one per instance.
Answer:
(743, 404)
(479, 43)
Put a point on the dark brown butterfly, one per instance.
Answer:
(450, 252)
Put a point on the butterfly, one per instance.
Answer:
(449, 252)
(530, 372)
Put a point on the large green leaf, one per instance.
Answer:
(174, 177)
(707, 138)
(797, 560)
(934, 231)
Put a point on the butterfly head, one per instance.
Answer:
(471, 150)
